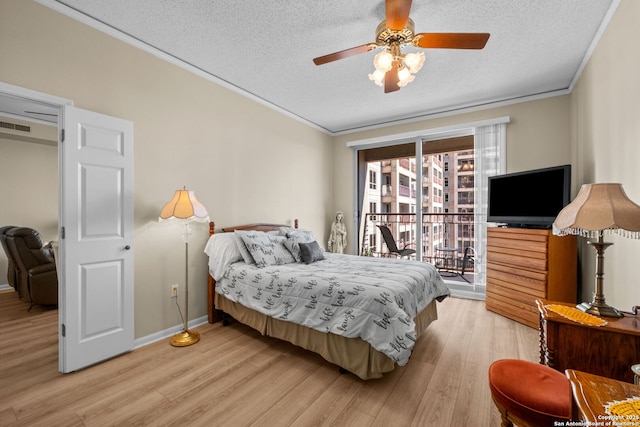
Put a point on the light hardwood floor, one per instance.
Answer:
(235, 377)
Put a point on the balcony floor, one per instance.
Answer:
(462, 289)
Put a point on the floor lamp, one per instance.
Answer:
(599, 209)
(184, 208)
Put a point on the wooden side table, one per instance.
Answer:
(591, 395)
(448, 258)
(608, 350)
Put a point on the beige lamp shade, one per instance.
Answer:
(185, 206)
(599, 209)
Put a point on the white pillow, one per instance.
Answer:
(267, 249)
(222, 250)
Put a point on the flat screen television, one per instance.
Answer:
(529, 199)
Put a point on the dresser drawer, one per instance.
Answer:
(529, 262)
(518, 284)
(522, 312)
(528, 246)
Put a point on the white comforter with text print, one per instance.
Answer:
(375, 299)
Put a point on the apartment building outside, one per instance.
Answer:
(447, 188)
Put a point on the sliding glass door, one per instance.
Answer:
(431, 194)
(423, 193)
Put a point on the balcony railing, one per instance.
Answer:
(405, 191)
(444, 237)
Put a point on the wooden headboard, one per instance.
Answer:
(261, 226)
(215, 315)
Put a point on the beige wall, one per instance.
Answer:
(245, 162)
(606, 141)
(538, 135)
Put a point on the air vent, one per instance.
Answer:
(13, 126)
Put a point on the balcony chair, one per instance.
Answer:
(12, 274)
(391, 243)
(37, 279)
(467, 261)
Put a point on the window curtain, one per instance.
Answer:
(489, 160)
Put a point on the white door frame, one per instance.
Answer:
(54, 101)
(32, 95)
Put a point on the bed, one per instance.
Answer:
(362, 314)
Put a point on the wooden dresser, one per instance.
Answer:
(527, 264)
(608, 350)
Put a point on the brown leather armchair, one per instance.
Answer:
(37, 276)
(12, 274)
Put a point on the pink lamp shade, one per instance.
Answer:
(184, 205)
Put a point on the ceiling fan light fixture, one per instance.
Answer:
(377, 77)
(405, 77)
(414, 61)
(383, 61)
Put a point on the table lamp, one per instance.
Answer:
(184, 208)
(599, 209)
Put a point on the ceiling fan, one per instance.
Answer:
(393, 67)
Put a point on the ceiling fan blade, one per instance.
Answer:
(344, 54)
(397, 13)
(451, 40)
(391, 78)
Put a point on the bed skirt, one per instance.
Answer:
(353, 354)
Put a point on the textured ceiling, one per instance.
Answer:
(266, 49)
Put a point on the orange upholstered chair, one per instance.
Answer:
(529, 394)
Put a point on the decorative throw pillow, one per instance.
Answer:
(311, 252)
(244, 252)
(293, 244)
(267, 249)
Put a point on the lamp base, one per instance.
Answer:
(185, 338)
(602, 310)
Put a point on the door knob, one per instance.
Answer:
(126, 248)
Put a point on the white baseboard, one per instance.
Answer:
(149, 339)
(141, 342)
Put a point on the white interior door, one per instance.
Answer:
(96, 239)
